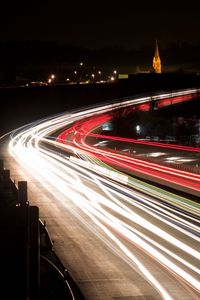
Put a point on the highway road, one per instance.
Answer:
(119, 237)
(79, 134)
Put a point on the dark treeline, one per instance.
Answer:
(19, 55)
(36, 51)
(22, 105)
(179, 123)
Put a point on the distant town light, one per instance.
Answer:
(99, 72)
(52, 76)
(75, 72)
(49, 80)
(112, 78)
(115, 71)
(93, 75)
(81, 63)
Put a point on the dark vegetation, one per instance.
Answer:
(22, 105)
(34, 59)
(179, 122)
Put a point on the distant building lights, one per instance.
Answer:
(115, 72)
(81, 63)
(49, 80)
(52, 76)
(112, 78)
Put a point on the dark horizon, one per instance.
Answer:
(35, 48)
(35, 60)
(27, 53)
(152, 44)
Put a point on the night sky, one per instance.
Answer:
(98, 24)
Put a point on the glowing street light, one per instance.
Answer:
(52, 76)
(99, 72)
(138, 129)
(93, 75)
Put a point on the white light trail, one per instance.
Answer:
(122, 213)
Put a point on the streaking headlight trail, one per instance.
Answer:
(129, 215)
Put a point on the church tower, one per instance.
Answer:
(157, 60)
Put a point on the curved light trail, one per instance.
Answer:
(183, 178)
(139, 222)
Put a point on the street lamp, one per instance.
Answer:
(75, 76)
(81, 68)
(99, 72)
(115, 74)
(51, 78)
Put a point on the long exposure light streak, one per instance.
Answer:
(163, 226)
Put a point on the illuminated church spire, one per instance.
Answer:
(157, 60)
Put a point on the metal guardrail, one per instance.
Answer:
(16, 196)
(60, 274)
(45, 239)
(18, 192)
